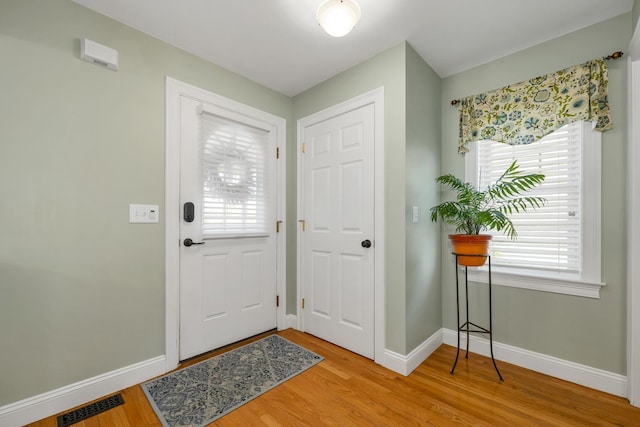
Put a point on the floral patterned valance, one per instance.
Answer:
(527, 111)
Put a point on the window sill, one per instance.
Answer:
(569, 285)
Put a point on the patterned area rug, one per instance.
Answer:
(202, 393)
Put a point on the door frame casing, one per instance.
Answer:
(375, 97)
(633, 236)
(174, 89)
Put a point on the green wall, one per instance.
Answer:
(582, 330)
(81, 289)
(423, 291)
(386, 69)
(635, 14)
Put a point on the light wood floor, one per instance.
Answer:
(348, 390)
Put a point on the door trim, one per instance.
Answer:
(175, 89)
(375, 97)
(633, 209)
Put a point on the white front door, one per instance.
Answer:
(338, 237)
(227, 227)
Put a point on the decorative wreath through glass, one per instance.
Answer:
(233, 178)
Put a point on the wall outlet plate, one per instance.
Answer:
(143, 214)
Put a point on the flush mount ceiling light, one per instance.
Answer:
(338, 17)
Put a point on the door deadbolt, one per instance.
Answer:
(188, 212)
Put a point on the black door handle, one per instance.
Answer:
(188, 242)
(366, 243)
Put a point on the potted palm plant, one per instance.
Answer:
(476, 210)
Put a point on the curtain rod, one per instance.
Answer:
(614, 55)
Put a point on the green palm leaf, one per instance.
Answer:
(477, 210)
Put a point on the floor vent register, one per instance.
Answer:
(90, 410)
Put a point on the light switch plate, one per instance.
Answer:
(143, 214)
(416, 215)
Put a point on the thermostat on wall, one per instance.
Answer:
(99, 54)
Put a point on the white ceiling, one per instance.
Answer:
(279, 44)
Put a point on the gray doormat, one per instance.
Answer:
(201, 393)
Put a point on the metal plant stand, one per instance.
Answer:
(467, 325)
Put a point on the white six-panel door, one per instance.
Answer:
(338, 247)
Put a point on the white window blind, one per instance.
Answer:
(549, 238)
(236, 201)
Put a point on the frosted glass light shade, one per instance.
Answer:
(338, 17)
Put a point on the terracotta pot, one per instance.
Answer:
(472, 245)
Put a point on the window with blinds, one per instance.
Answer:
(549, 238)
(235, 178)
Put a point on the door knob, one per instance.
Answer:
(188, 242)
(366, 243)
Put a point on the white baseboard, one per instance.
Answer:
(44, 405)
(396, 362)
(291, 321)
(587, 376)
(406, 364)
